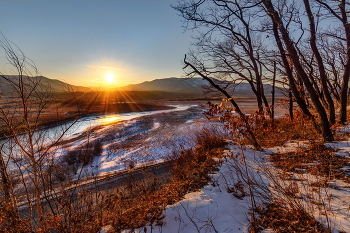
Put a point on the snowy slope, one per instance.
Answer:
(215, 209)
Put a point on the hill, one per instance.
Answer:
(51, 84)
(169, 85)
(196, 86)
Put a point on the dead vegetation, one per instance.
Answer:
(295, 200)
(142, 202)
(138, 202)
(315, 159)
(281, 219)
(268, 132)
(83, 154)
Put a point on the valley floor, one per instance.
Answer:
(246, 179)
(250, 192)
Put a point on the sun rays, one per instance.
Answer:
(110, 78)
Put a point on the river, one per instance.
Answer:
(74, 128)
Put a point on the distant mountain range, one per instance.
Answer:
(167, 87)
(193, 85)
(52, 84)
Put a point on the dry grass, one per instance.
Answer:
(10, 223)
(282, 219)
(141, 202)
(315, 159)
(136, 203)
(276, 132)
(142, 205)
(288, 212)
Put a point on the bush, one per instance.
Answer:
(98, 148)
(83, 154)
(58, 172)
(140, 201)
(70, 158)
(129, 164)
(210, 138)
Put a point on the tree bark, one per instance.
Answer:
(291, 113)
(273, 91)
(345, 85)
(321, 68)
(292, 85)
(326, 131)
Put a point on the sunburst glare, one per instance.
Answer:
(110, 78)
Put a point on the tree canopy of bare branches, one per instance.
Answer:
(249, 41)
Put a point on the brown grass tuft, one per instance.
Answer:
(282, 219)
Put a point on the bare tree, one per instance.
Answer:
(229, 45)
(339, 10)
(296, 60)
(250, 133)
(28, 145)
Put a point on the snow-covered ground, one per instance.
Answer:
(217, 207)
(139, 141)
(225, 204)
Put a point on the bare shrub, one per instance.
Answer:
(210, 138)
(83, 154)
(129, 164)
(279, 199)
(98, 148)
(57, 172)
(70, 158)
(10, 221)
(315, 159)
(238, 190)
(268, 132)
(280, 218)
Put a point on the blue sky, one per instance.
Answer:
(82, 41)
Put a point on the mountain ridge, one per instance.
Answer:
(194, 85)
(47, 83)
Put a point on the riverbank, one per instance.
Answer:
(137, 138)
(56, 116)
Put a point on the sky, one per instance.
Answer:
(98, 42)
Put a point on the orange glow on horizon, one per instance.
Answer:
(108, 73)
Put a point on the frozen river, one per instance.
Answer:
(92, 121)
(139, 138)
(72, 129)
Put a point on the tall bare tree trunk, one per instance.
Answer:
(342, 16)
(273, 91)
(320, 64)
(326, 131)
(291, 114)
(345, 85)
(292, 85)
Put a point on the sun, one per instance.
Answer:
(110, 78)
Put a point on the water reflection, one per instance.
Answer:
(109, 119)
